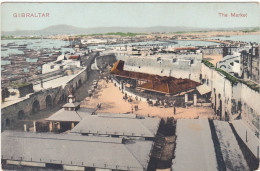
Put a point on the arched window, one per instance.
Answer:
(21, 114)
(48, 101)
(35, 107)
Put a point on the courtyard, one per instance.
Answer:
(112, 101)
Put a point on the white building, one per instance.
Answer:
(93, 41)
(231, 64)
(62, 62)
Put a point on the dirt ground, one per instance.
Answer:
(213, 58)
(111, 99)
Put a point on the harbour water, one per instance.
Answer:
(5, 62)
(175, 43)
(33, 44)
(244, 38)
(31, 60)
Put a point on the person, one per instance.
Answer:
(99, 105)
(174, 110)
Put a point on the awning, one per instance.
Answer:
(203, 89)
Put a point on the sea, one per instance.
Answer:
(34, 44)
(253, 38)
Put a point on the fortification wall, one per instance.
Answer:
(235, 98)
(212, 51)
(175, 66)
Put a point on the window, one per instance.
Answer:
(7, 122)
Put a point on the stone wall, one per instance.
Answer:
(25, 90)
(235, 99)
(103, 61)
(221, 91)
(40, 100)
(179, 66)
(212, 51)
(250, 61)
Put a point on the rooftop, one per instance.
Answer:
(186, 48)
(70, 115)
(118, 125)
(76, 104)
(242, 129)
(87, 151)
(194, 146)
(203, 89)
(156, 83)
(74, 57)
(232, 154)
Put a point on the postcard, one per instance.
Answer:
(139, 86)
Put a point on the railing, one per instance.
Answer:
(72, 163)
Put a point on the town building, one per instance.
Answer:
(250, 64)
(62, 62)
(231, 64)
(51, 151)
(205, 145)
(94, 141)
(87, 121)
(93, 41)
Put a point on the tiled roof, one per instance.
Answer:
(186, 48)
(74, 57)
(156, 83)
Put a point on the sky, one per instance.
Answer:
(85, 15)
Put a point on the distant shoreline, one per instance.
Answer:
(129, 34)
(222, 33)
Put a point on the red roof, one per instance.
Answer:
(186, 48)
(156, 83)
(74, 57)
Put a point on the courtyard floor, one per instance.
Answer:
(111, 99)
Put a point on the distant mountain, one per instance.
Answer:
(68, 29)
